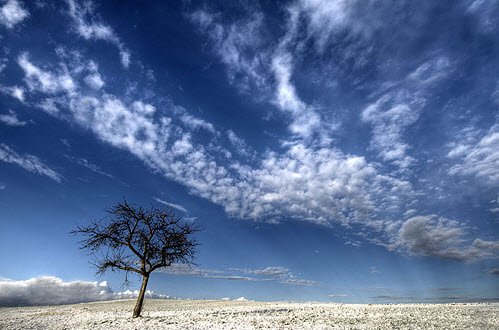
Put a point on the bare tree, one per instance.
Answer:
(138, 241)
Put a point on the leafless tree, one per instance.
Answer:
(135, 240)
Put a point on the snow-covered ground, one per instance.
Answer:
(203, 314)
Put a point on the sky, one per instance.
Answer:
(337, 151)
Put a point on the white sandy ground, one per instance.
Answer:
(209, 314)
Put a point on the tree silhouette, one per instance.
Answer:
(135, 240)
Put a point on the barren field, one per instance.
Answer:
(203, 314)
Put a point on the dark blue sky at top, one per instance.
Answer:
(332, 150)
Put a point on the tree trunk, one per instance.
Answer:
(140, 298)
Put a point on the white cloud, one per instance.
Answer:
(277, 274)
(12, 120)
(238, 47)
(49, 290)
(12, 13)
(175, 206)
(14, 91)
(484, 11)
(29, 162)
(431, 70)
(390, 116)
(94, 168)
(250, 62)
(305, 120)
(241, 147)
(241, 299)
(321, 185)
(303, 181)
(338, 295)
(325, 18)
(439, 237)
(94, 80)
(191, 121)
(44, 81)
(268, 271)
(478, 157)
(89, 26)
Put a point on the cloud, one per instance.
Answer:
(390, 297)
(484, 12)
(478, 157)
(12, 13)
(90, 27)
(241, 299)
(494, 271)
(175, 206)
(306, 177)
(447, 289)
(241, 147)
(49, 290)
(276, 274)
(338, 295)
(191, 121)
(94, 80)
(279, 274)
(238, 45)
(315, 184)
(443, 238)
(87, 164)
(44, 81)
(431, 71)
(15, 91)
(29, 162)
(306, 121)
(325, 19)
(12, 120)
(252, 62)
(389, 116)
(269, 271)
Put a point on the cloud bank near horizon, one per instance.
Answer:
(50, 290)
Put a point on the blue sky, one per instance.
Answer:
(332, 150)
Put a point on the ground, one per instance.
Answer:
(210, 314)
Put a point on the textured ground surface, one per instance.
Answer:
(198, 314)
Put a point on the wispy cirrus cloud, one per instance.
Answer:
(276, 274)
(11, 119)
(88, 25)
(390, 116)
(175, 206)
(238, 46)
(28, 162)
